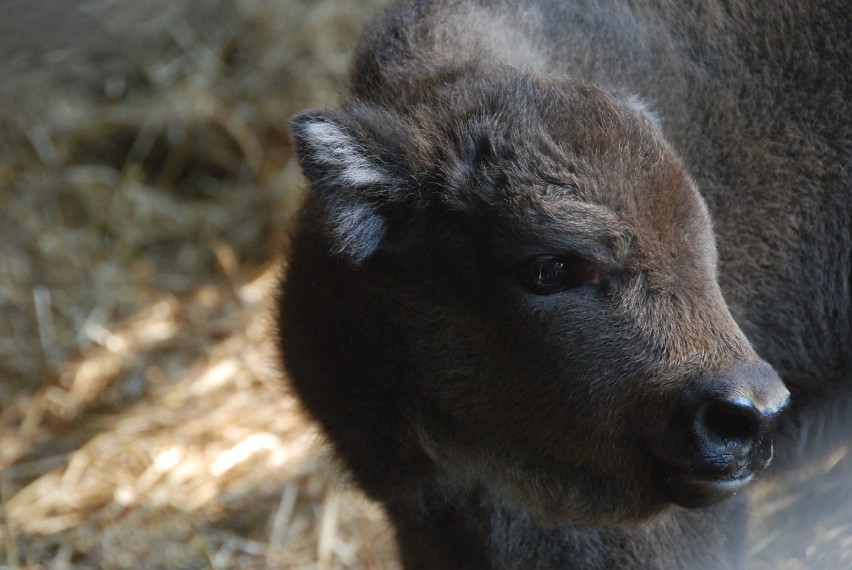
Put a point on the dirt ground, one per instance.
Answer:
(146, 177)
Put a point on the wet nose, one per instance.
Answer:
(738, 412)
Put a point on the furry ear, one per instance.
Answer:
(642, 107)
(352, 175)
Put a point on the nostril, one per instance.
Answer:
(735, 421)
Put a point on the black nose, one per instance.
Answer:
(737, 420)
(721, 434)
(736, 417)
(738, 426)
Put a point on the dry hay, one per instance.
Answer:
(145, 175)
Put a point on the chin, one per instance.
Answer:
(597, 501)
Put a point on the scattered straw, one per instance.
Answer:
(143, 422)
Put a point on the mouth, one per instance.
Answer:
(688, 490)
(712, 474)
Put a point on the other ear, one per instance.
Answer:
(351, 169)
(640, 106)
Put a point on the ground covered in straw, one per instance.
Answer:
(146, 177)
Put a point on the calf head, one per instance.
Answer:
(553, 267)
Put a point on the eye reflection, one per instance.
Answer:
(546, 274)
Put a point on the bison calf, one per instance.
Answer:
(504, 300)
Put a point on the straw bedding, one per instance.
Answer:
(146, 177)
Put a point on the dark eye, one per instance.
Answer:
(546, 274)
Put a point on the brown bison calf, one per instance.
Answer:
(502, 301)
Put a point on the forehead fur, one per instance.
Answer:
(565, 154)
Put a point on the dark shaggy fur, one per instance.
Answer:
(504, 301)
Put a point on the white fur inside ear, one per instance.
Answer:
(344, 156)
